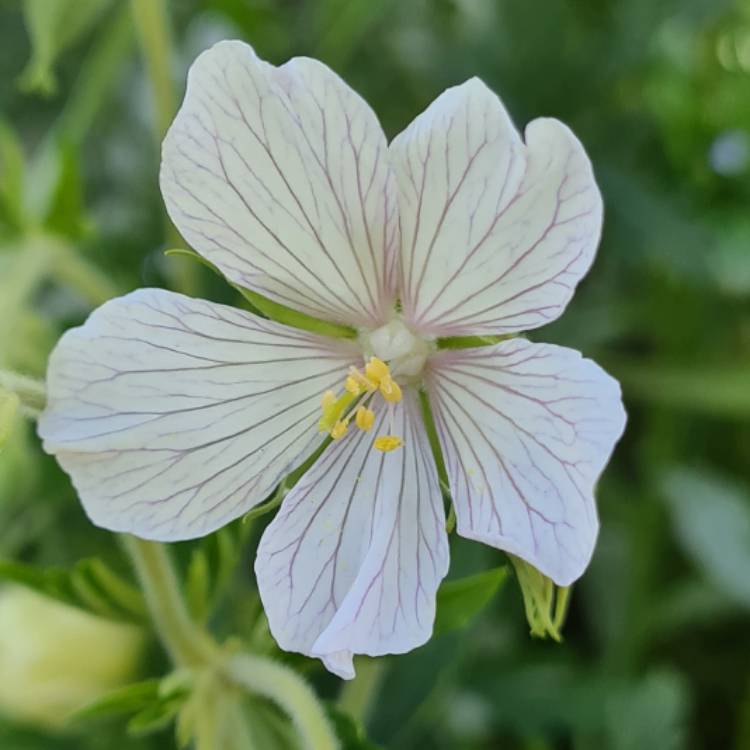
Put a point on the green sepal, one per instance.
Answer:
(545, 603)
(471, 342)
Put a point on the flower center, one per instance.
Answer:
(391, 351)
(360, 387)
(394, 343)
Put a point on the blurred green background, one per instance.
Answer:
(656, 651)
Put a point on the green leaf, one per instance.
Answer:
(65, 212)
(351, 733)
(12, 167)
(124, 700)
(711, 518)
(460, 600)
(155, 717)
(720, 390)
(53, 26)
(210, 570)
(89, 585)
(649, 713)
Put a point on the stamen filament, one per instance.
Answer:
(358, 385)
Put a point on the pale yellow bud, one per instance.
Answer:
(55, 659)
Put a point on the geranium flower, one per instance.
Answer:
(174, 416)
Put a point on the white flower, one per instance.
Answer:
(55, 659)
(174, 416)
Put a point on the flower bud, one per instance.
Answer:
(55, 659)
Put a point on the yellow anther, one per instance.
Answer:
(353, 385)
(339, 429)
(364, 382)
(334, 410)
(387, 443)
(376, 370)
(365, 418)
(328, 399)
(390, 389)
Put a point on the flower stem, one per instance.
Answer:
(152, 26)
(31, 392)
(151, 20)
(289, 692)
(186, 643)
(357, 695)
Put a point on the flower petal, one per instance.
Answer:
(174, 415)
(280, 177)
(495, 233)
(525, 430)
(352, 561)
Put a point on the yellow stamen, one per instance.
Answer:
(327, 400)
(387, 443)
(364, 382)
(339, 429)
(365, 418)
(390, 389)
(376, 370)
(333, 412)
(353, 385)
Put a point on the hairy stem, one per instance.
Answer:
(30, 392)
(290, 692)
(187, 644)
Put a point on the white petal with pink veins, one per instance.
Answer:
(174, 416)
(351, 563)
(495, 233)
(280, 177)
(526, 429)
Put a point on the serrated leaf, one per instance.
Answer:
(460, 600)
(124, 700)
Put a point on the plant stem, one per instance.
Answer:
(289, 692)
(357, 695)
(187, 644)
(31, 392)
(152, 25)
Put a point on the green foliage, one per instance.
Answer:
(655, 651)
(350, 733)
(712, 521)
(9, 405)
(53, 26)
(459, 601)
(90, 585)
